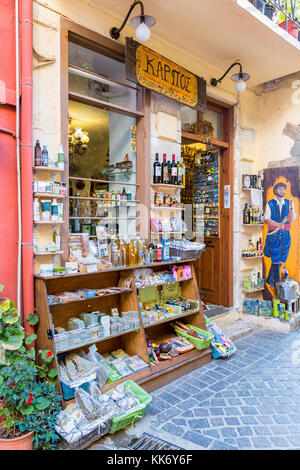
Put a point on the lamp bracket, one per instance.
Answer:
(214, 81)
(115, 32)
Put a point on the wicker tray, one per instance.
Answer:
(86, 436)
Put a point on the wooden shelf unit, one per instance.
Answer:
(134, 342)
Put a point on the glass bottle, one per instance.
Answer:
(165, 170)
(156, 170)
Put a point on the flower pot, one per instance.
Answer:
(291, 28)
(260, 5)
(269, 11)
(18, 443)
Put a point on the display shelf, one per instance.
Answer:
(103, 217)
(47, 253)
(167, 320)
(117, 268)
(251, 257)
(252, 225)
(103, 181)
(49, 195)
(176, 361)
(164, 283)
(153, 232)
(48, 222)
(48, 168)
(168, 208)
(89, 299)
(89, 343)
(253, 291)
(133, 342)
(167, 186)
(99, 199)
(249, 189)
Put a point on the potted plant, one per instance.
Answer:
(269, 10)
(29, 402)
(292, 8)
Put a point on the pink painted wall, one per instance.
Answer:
(8, 166)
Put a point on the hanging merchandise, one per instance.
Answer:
(206, 193)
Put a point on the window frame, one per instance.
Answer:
(77, 34)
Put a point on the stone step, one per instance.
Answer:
(238, 329)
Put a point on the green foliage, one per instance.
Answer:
(292, 8)
(32, 319)
(29, 398)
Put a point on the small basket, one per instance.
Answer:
(199, 343)
(82, 438)
(185, 254)
(120, 422)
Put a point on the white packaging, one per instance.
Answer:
(36, 209)
(60, 211)
(71, 267)
(104, 320)
(54, 210)
(46, 270)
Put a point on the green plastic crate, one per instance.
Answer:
(199, 343)
(120, 422)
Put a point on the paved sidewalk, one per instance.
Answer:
(250, 401)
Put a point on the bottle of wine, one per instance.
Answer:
(156, 170)
(183, 172)
(174, 171)
(165, 170)
(246, 215)
(179, 173)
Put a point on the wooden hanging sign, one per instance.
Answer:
(153, 71)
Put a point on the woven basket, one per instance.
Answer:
(80, 439)
(199, 343)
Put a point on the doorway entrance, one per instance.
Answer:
(209, 185)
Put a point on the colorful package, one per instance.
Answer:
(250, 306)
(265, 308)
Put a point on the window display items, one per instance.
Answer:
(206, 192)
(253, 282)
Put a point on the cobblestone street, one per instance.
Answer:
(250, 401)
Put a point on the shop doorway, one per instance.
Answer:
(209, 188)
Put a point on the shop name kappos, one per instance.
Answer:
(160, 74)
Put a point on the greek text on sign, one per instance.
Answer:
(160, 74)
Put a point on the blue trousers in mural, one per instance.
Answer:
(277, 248)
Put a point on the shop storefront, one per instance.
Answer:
(121, 214)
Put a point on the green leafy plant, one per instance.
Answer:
(29, 400)
(291, 7)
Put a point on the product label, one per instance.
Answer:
(174, 171)
(157, 171)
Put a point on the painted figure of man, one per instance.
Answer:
(279, 216)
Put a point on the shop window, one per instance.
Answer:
(209, 122)
(188, 117)
(106, 80)
(102, 145)
(215, 118)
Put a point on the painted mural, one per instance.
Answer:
(281, 226)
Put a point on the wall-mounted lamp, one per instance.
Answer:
(142, 23)
(240, 78)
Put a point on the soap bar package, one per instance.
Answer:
(136, 364)
(265, 308)
(250, 306)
